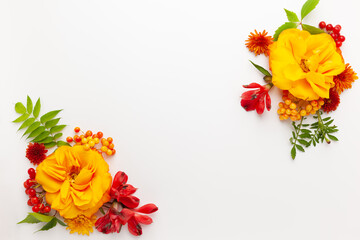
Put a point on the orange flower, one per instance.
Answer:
(345, 79)
(76, 181)
(259, 43)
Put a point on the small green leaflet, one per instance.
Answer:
(312, 29)
(61, 222)
(56, 136)
(49, 225)
(293, 152)
(308, 6)
(62, 143)
(37, 108)
(29, 219)
(283, 27)
(50, 145)
(291, 16)
(46, 140)
(51, 123)
(20, 108)
(57, 128)
(21, 118)
(41, 136)
(41, 217)
(48, 116)
(32, 128)
(261, 69)
(27, 123)
(29, 105)
(36, 132)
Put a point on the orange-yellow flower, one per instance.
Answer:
(77, 182)
(305, 64)
(345, 79)
(259, 43)
(81, 224)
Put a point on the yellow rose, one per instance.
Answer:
(305, 64)
(76, 181)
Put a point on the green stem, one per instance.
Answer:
(321, 126)
(297, 131)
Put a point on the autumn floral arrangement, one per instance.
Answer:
(307, 64)
(72, 186)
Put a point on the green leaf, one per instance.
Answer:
(50, 144)
(293, 133)
(329, 122)
(52, 123)
(29, 105)
(57, 135)
(293, 152)
(291, 16)
(283, 27)
(305, 135)
(20, 108)
(27, 123)
(300, 148)
(57, 128)
(41, 217)
(36, 132)
(49, 225)
(41, 136)
(61, 222)
(62, 143)
(37, 108)
(21, 118)
(29, 219)
(326, 119)
(261, 69)
(32, 128)
(46, 140)
(305, 130)
(48, 116)
(333, 137)
(308, 6)
(303, 142)
(312, 29)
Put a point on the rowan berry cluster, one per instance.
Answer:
(36, 198)
(90, 141)
(334, 32)
(295, 108)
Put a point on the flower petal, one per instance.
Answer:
(129, 201)
(143, 219)
(147, 208)
(134, 227)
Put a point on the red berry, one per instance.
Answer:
(26, 185)
(329, 27)
(338, 26)
(69, 139)
(322, 25)
(35, 200)
(336, 29)
(41, 207)
(32, 173)
(338, 44)
(35, 209)
(46, 209)
(30, 182)
(77, 138)
(333, 35)
(88, 133)
(341, 38)
(27, 191)
(77, 129)
(100, 134)
(32, 192)
(29, 203)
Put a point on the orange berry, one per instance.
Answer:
(303, 113)
(113, 151)
(321, 102)
(281, 117)
(77, 129)
(294, 112)
(96, 140)
(109, 152)
(285, 116)
(111, 146)
(278, 111)
(288, 111)
(100, 134)
(281, 104)
(84, 140)
(103, 140)
(287, 101)
(313, 103)
(308, 108)
(104, 149)
(292, 106)
(282, 110)
(82, 136)
(105, 143)
(92, 143)
(88, 133)
(95, 136)
(86, 147)
(69, 139)
(293, 118)
(109, 139)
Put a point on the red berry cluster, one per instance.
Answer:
(334, 33)
(36, 200)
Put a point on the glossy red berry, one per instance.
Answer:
(336, 29)
(329, 27)
(100, 134)
(341, 38)
(46, 209)
(26, 185)
(334, 36)
(29, 203)
(69, 139)
(41, 207)
(77, 129)
(339, 27)
(322, 25)
(338, 44)
(32, 192)
(32, 173)
(30, 182)
(27, 191)
(35, 209)
(35, 200)
(88, 133)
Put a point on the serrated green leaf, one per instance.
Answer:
(291, 16)
(293, 152)
(32, 127)
(300, 148)
(261, 69)
(36, 132)
(51, 123)
(303, 142)
(311, 29)
(21, 118)
(50, 144)
(49, 225)
(308, 6)
(27, 123)
(20, 108)
(29, 105)
(283, 27)
(41, 217)
(41, 136)
(62, 143)
(57, 128)
(29, 219)
(61, 222)
(37, 108)
(57, 135)
(46, 140)
(48, 116)
(333, 137)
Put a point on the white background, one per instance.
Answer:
(163, 78)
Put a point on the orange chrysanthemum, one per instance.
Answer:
(345, 79)
(259, 43)
(332, 102)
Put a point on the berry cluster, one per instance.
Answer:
(36, 199)
(295, 108)
(90, 141)
(334, 32)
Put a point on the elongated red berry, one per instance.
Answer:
(322, 25)
(35, 209)
(338, 44)
(35, 200)
(29, 203)
(341, 38)
(32, 192)
(32, 173)
(339, 27)
(329, 27)
(336, 29)
(46, 209)
(77, 129)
